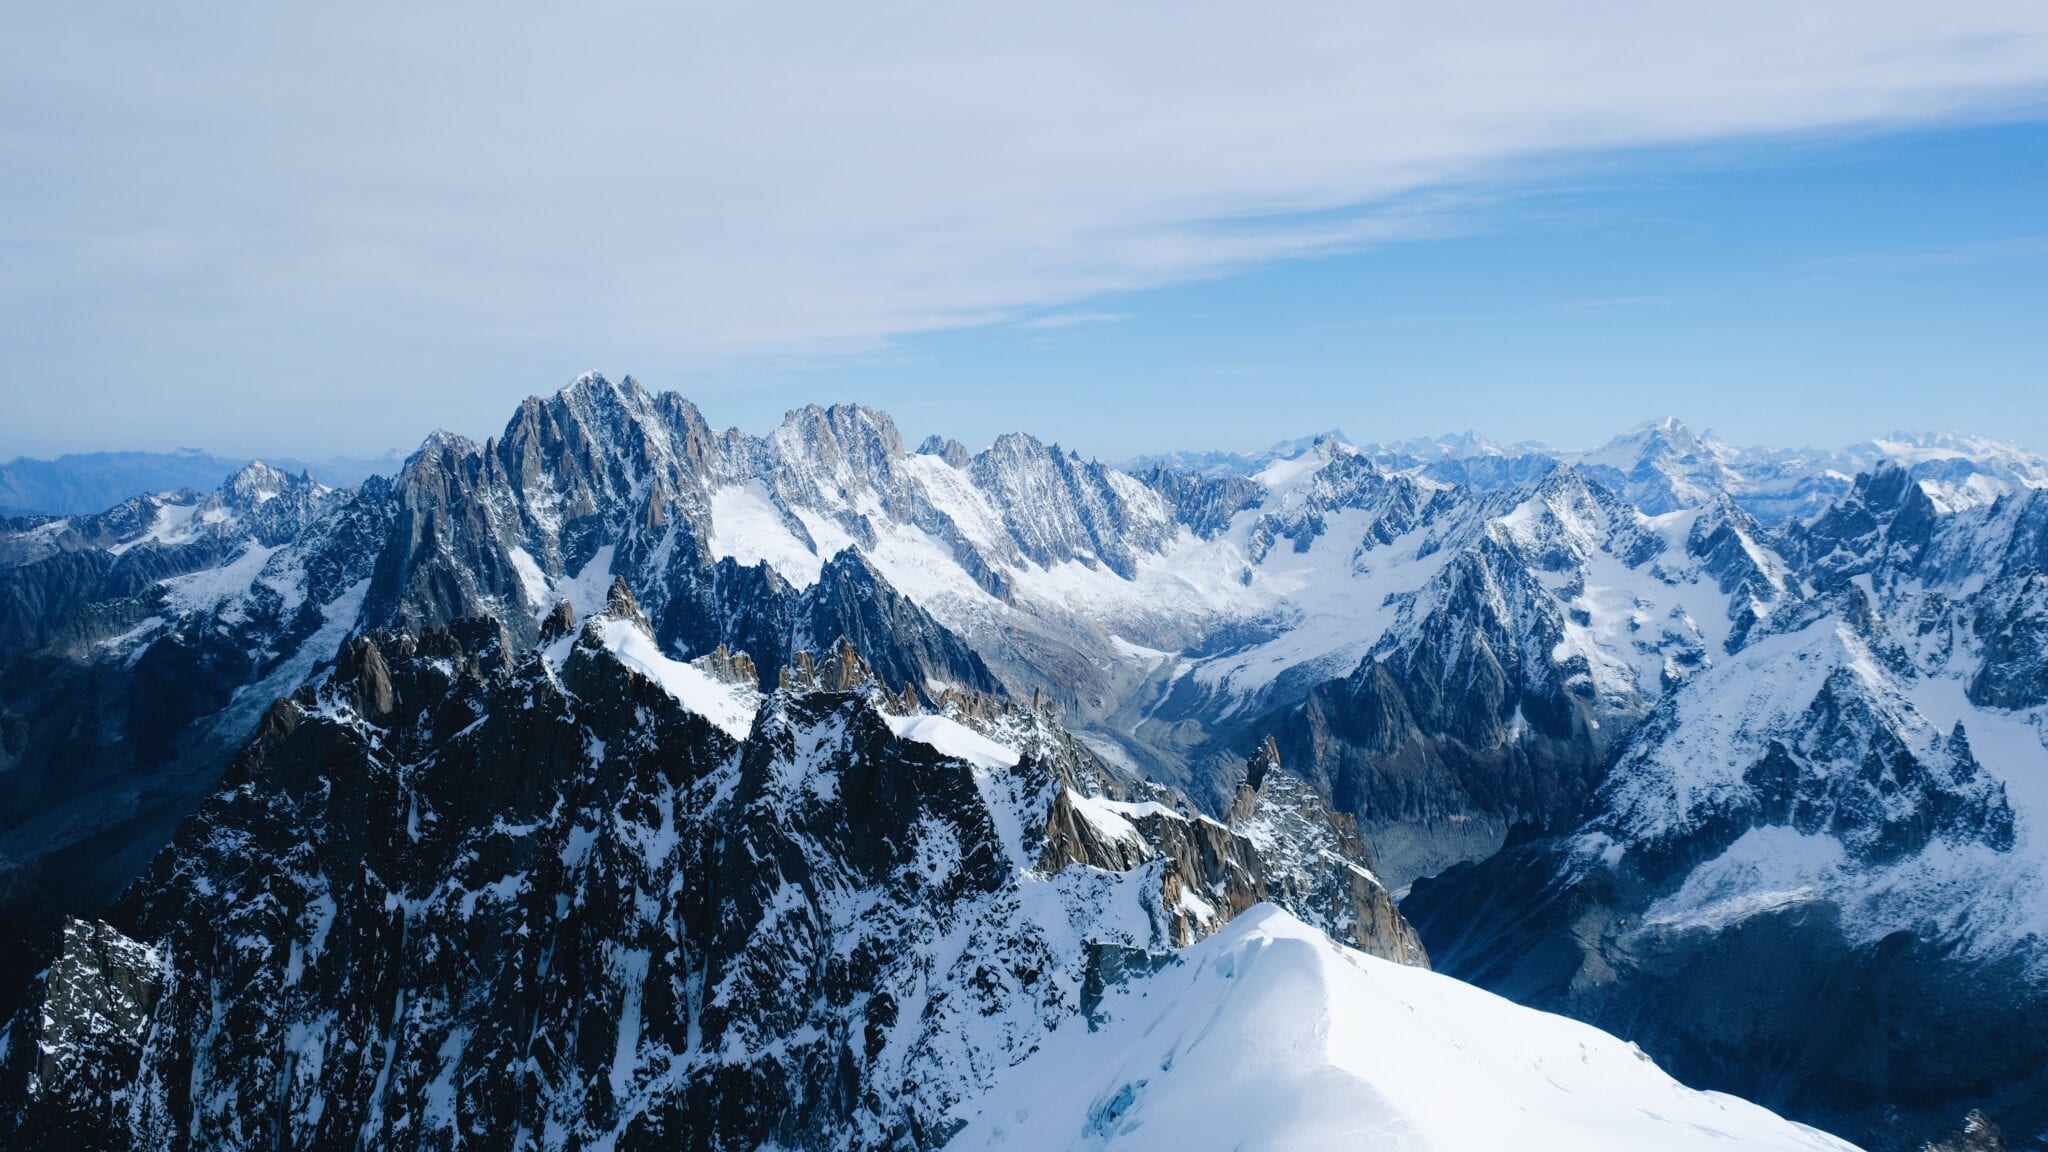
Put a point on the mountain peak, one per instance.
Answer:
(1664, 431)
(840, 435)
(1467, 443)
(945, 448)
(439, 444)
(588, 382)
(1287, 449)
(257, 483)
(593, 391)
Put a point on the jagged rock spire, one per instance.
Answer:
(945, 448)
(842, 670)
(100, 992)
(361, 666)
(723, 663)
(559, 623)
(1259, 763)
(619, 604)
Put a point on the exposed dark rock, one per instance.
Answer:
(946, 448)
(1206, 504)
(98, 999)
(544, 897)
(1978, 1134)
(560, 622)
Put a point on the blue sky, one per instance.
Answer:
(1127, 228)
(1800, 291)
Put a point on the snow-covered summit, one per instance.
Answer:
(1268, 1037)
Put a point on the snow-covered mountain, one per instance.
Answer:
(589, 896)
(1663, 707)
(1856, 791)
(1663, 465)
(1224, 463)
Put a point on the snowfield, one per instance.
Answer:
(730, 707)
(1267, 1036)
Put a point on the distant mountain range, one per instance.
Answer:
(89, 482)
(1662, 464)
(631, 780)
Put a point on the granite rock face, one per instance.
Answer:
(99, 997)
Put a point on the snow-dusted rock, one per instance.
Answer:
(455, 892)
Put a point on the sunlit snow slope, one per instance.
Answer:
(1269, 1036)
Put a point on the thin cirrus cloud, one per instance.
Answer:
(331, 193)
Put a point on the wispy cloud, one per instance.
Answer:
(373, 192)
(1054, 321)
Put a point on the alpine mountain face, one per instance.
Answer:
(1836, 830)
(618, 780)
(588, 896)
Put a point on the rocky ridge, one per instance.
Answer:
(458, 889)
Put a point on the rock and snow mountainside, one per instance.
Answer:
(1840, 828)
(1554, 619)
(142, 644)
(590, 897)
(1653, 730)
(137, 648)
(1662, 465)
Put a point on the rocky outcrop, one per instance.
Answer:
(1279, 844)
(1206, 504)
(946, 448)
(842, 670)
(1301, 839)
(730, 667)
(1978, 1134)
(559, 622)
(98, 998)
